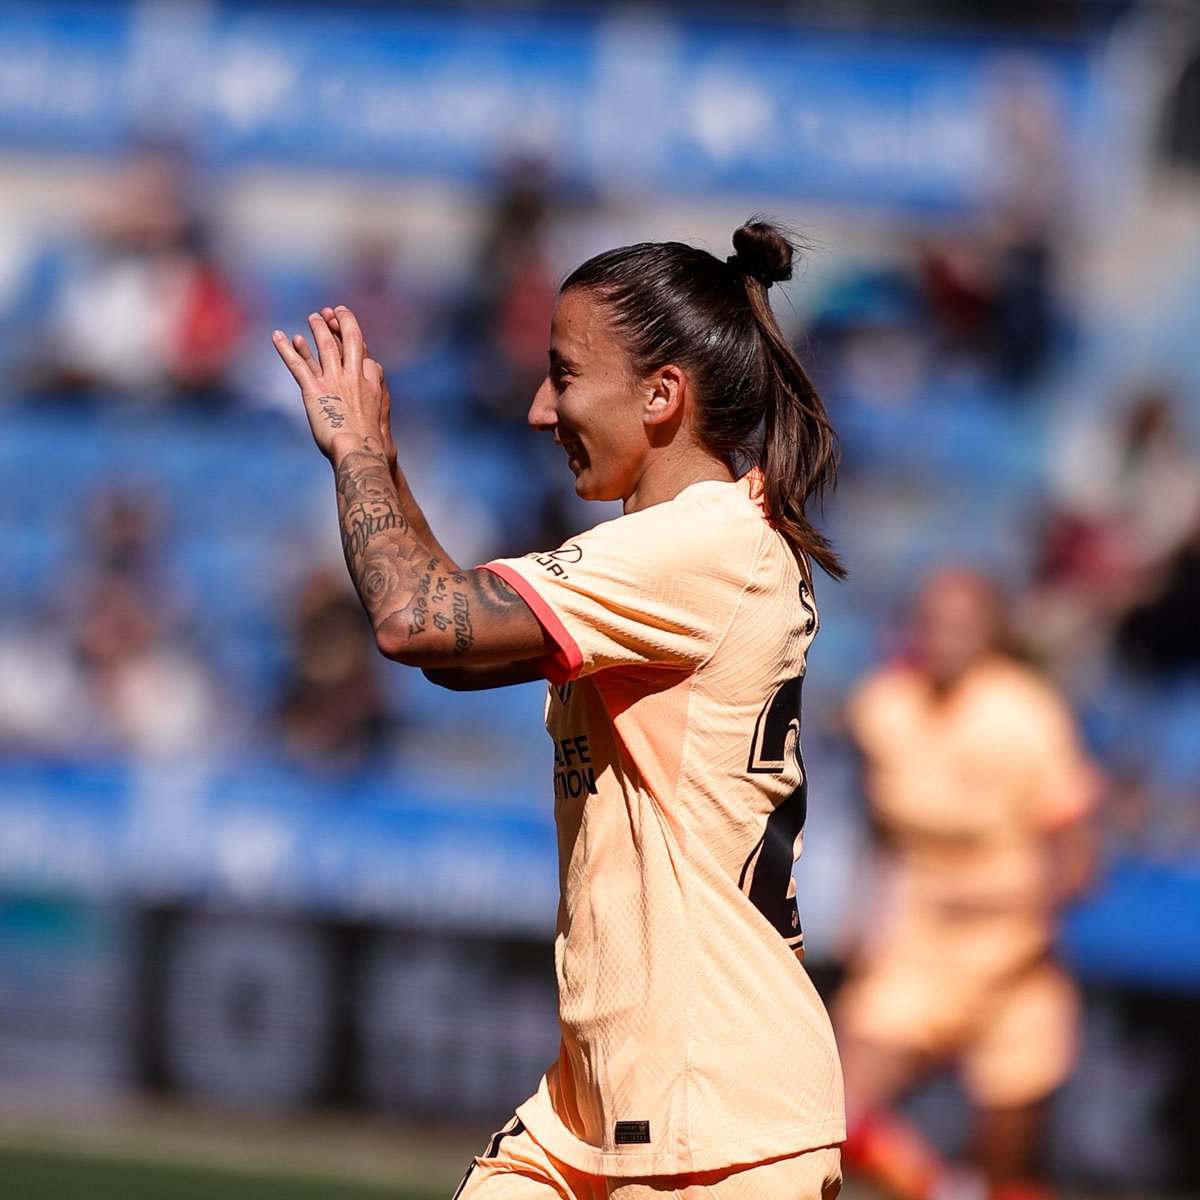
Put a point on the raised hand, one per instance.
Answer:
(344, 392)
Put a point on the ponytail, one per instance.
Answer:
(799, 457)
(758, 408)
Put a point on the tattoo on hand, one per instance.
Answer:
(333, 414)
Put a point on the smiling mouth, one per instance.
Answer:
(574, 451)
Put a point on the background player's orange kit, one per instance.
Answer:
(967, 791)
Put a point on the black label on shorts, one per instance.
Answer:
(633, 1133)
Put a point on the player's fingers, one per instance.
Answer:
(299, 366)
(301, 347)
(373, 372)
(352, 339)
(331, 319)
(327, 345)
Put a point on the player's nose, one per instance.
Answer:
(543, 412)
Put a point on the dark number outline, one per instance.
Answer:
(769, 865)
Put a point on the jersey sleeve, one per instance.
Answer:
(644, 588)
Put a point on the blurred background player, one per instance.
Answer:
(978, 792)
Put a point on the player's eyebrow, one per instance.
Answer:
(558, 359)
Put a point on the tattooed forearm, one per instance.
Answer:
(384, 581)
(495, 594)
(375, 535)
(442, 603)
(365, 476)
(422, 607)
(363, 521)
(369, 505)
(420, 612)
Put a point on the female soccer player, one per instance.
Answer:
(696, 1058)
(979, 792)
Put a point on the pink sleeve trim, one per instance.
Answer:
(567, 660)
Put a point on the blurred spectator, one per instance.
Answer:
(1180, 135)
(960, 291)
(45, 709)
(1024, 316)
(1028, 205)
(505, 324)
(152, 697)
(989, 297)
(990, 302)
(125, 539)
(1134, 484)
(517, 289)
(1129, 498)
(138, 305)
(872, 348)
(108, 669)
(400, 320)
(977, 789)
(114, 682)
(332, 714)
(1160, 636)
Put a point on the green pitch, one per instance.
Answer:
(27, 1174)
(54, 1174)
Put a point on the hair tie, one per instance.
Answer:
(738, 264)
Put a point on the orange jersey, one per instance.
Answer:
(968, 787)
(692, 1037)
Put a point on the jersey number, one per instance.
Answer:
(767, 874)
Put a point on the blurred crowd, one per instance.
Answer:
(191, 606)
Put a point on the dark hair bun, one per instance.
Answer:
(763, 252)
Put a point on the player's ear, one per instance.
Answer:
(666, 396)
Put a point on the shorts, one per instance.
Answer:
(1012, 1036)
(515, 1167)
